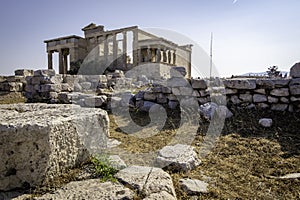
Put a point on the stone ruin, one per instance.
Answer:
(45, 139)
(102, 90)
(39, 142)
(120, 49)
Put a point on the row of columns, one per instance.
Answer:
(107, 39)
(63, 60)
(167, 56)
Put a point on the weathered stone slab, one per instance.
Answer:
(295, 86)
(263, 105)
(11, 86)
(44, 72)
(95, 101)
(160, 196)
(240, 83)
(23, 72)
(272, 99)
(147, 180)
(50, 88)
(177, 72)
(282, 92)
(259, 98)
(182, 91)
(57, 79)
(295, 71)
(295, 98)
(193, 186)
(230, 91)
(16, 79)
(295, 89)
(91, 189)
(199, 84)
(246, 98)
(281, 82)
(177, 82)
(279, 107)
(260, 91)
(86, 85)
(284, 100)
(40, 141)
(265, 83)
(179, 157)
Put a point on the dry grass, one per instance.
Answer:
(11, 97)
(243, 160)
(241, 164)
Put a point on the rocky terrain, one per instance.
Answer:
(247, 161)
(93, 139)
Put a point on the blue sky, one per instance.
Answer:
(249, 35)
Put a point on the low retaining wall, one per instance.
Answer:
(46, 86)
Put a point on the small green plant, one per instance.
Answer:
(103, 168)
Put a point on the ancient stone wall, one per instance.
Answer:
(95, 91)
(275, 94)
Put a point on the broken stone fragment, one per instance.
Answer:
(91, 189)
(265, 122)
(193, 186)
(179, 157)
(149, 181)
(209, 109)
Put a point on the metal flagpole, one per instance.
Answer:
(211, 42)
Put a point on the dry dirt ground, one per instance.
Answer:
(243, 164)
(246, 159)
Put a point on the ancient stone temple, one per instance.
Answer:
(121, 49)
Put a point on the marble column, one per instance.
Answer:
(164, 55)
(105, 48)
(169, 57)
(124, 50)
(140, 56)
(135, 53)
(148, 55)
(61, 62)
(115, 50)
(158, 55)
(65, 57)
(174, 58)
(50, 62)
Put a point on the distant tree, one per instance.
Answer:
(273, 71)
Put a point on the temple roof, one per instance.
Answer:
(91, 26)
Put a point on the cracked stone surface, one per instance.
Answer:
(193, 186)
(179, 157)
(91, 189)
(148, 181)
(38, 142)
